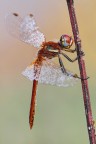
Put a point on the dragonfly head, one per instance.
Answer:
(66, 41)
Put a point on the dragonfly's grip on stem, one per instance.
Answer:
(32, 105)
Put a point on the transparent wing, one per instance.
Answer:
(50, 73)
(32, 72)
(25, 29)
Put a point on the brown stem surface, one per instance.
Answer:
(81, 63)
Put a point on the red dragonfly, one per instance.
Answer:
(42, 69)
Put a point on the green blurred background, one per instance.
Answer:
(60, 116)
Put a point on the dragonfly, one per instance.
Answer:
(43, 69)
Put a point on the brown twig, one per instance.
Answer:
(84, 82)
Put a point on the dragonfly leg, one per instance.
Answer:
(61, 64)
(76, 76)
(70, 50)
(63, 68)
(82, 54)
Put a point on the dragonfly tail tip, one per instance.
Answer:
(30, 126)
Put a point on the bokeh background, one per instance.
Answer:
(60, 116)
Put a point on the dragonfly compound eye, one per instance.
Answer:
(66, 41)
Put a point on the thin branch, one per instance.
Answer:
(81, 63)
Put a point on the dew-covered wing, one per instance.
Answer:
(50, 73)
(25, 29)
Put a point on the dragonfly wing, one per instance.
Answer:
(51, 73)
(13, 22)
(25, 29)
(32, 72)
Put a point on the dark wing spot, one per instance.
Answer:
(15, 14)
(31, 15)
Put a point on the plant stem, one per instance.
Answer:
(81, 63)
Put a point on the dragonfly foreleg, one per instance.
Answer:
(82, 54)
(70, 50)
